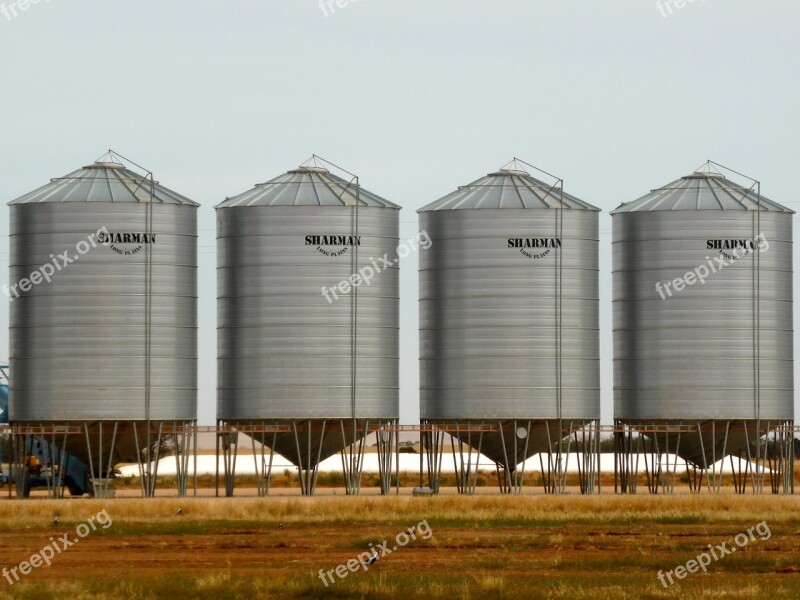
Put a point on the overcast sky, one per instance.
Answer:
(416, 96)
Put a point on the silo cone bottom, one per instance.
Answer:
(509, 443)
(306, 443)
(664, 448)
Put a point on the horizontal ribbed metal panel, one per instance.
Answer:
(284, 351)
(489, 335)
(79, 343)
(693, 355)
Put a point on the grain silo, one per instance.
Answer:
(703, 342)
(103, 322)
(509, 342)
(308, 301)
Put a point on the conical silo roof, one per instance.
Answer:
(307, 185)
(704, 189)
(103, 182)
(509, 187)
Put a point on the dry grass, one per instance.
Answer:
(482, 547)
(354, 510)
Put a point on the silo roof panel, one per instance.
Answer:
(508, 188)
(702, 191)
(103, 182)
(307, 186)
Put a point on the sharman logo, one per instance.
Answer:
(343, 242)
(126, 244)
(534, 248)
(732, 249)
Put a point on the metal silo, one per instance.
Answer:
(703, 341)
(509, 311)
(103, 320)
(308, 356)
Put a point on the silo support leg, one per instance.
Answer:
(547, 472)
(230, 449)
(182, 436)
(18, 471)
(433, 448)
(779, 452)
(139, 462)
(626, 461)
(268, 473)
(101, 475)
(156, 458)
(353, 454)
(587, 459)
(385, 435)
(263, 469)
(749, 465)
(458, 466)
(505, 469)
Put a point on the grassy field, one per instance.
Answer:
(480, 547)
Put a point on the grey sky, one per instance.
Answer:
(415, 96)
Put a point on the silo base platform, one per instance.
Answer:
(306, 443)
(80, 457)
(758, 450)
(509, 444)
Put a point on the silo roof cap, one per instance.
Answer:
(105, 165)
(511, 186)
(307, 185)
(704, 189)
(103, 181)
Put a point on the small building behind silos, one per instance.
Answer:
(703, 333)
(103, 320)
(308, 355)
(509, 322)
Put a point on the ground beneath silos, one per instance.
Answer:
(479, 547)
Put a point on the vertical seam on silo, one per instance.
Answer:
(560, 214)
(519, 194)
(313, 188)
(148, 311)
(355, 313)
(757, 267)
(108, 183)
(713, 193)
(122, 182)
(656, 202)
(716, 196)
(699, 190)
